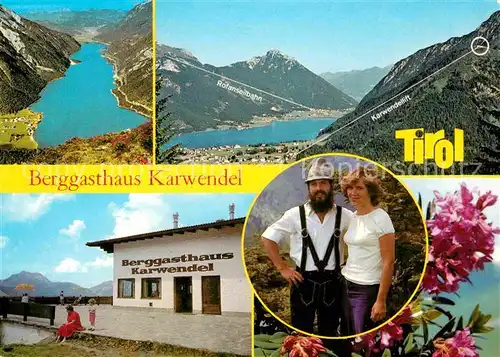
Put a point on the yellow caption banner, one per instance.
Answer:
(137, 178)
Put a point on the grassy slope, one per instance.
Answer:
(20, 129)
(128, 147)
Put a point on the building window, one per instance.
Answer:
(151, 288)
(126, 288)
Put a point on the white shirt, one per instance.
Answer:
(364, 263)
(288, 226)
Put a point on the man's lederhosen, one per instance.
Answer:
(320, 291)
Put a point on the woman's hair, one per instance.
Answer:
(91, 301)
(369, 177)
(69, 308)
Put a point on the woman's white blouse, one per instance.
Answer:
(364, 262)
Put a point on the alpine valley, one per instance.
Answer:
(199, 100)
(76, 47)
(449, 87)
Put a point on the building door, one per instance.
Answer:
(183, 287)
(210, 291)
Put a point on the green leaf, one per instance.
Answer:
(278, 337)
(259, 352)
(431, 314)
(409, 345)
(485, 329)
(482, 320)
(447, 313)
(426, 332)
(473, 316)
(354, 354)
(446, 329)
(460, 324)
(262, 337)
(442, 300)
(279, 334)
(266, 345)
(387, 353)
(327, 353)
(275, 353)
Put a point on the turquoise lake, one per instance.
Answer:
(276, 132)
(81, 103)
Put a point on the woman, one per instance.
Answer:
(71, 326)
(370, 240)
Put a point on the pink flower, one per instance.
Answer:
(461, 345)
(462, 240)
(301, 346)
(393, 331)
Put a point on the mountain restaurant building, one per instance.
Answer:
(196, 269)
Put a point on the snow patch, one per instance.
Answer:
(170, 66)
(15, 41)
(6, 17)
(252, 62)
(169, 84)
(47, 69)
(147, 54)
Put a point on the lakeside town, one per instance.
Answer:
(264, 120)
(282, 153)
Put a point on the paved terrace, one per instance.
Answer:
(217, 333)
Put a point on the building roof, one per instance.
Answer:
(108, 244)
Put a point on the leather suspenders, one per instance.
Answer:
(333, 244)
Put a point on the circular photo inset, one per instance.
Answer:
(335, 246)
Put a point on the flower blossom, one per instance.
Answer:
(392, 331)
(301, 346)
(462, 240)
(461, 345)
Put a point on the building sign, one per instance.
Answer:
(155, 265)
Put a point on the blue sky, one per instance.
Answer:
(322, 35)
(23, 6)
(47, 233)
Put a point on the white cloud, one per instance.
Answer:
(27, 207)
(70, 265)
(99, 262)
(141, 213)
(74, 229)
(3, 241)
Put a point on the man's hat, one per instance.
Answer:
(320, 169)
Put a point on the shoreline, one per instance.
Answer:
(72, 62)
(259, 122)
(128, 105)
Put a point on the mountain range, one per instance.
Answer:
(449, 87)
(130, 50)
(357, 83)
(76, 23)
(200, 100)
(30, 56)
(45, 287)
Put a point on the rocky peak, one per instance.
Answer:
(272, 59)
(8, 17)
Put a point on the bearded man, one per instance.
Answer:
(316, 231)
